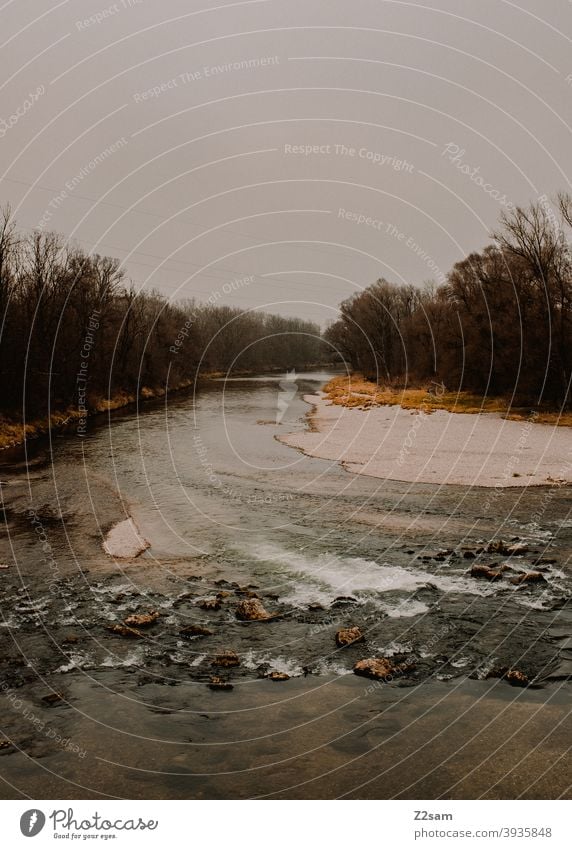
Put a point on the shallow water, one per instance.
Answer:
(229, 509)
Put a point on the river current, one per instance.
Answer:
(231, 513)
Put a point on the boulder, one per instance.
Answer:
(381, 668)
(141, 620)
(344, 599)
(252, 610)
(217, 683)
(507, 549)
(191, 631)
(496, 547)
(279, 676)
(118, 598)
(516, 678)
(489, 573)
(247, 591)
(210, 604)
(529, 578)
(183, 598)
(513, 676)
(125, 631)
(226, 659)
(348, 636)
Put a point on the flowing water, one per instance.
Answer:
(230, 511)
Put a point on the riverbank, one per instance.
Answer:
(355, 391)
(14, 433)
(425, 444)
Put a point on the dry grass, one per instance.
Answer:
(356, 391)
(14, 433)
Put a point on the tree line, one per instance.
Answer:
(501, 324)
(74, 331)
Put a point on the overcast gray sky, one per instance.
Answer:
(301, 147)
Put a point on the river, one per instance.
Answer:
(230, 511)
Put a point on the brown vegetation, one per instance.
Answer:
(356, 391)
(497, 336)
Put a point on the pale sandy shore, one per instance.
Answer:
(440, 448)
(124, 541)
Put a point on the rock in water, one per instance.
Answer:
(516, 678)
(380, 668)
(226, 659)
(210, 604)
(344, 599)
(141, 620)
(247, 591)
(217, 683)
(513, 676)
(124, 631)
(487, 572)
(529, 578)
(279, 676)
(252, 610)
(348, 636)
(507, 550)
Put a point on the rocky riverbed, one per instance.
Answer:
(449, 614)
(271, 586)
